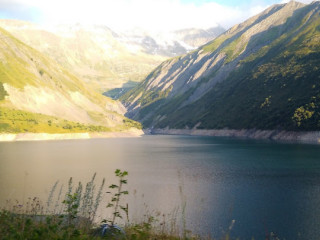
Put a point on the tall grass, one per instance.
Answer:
(71, 214)
(68, 214)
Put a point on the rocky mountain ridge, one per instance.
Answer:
(233, 81)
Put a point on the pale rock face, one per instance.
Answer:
(116, 106)
(83, 102)
(47, 101)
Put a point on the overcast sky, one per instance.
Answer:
(146, 14)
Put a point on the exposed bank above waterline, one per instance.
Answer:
(11, 137)
(277, 135)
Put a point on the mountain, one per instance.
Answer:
(263, 73)
(92, 53)
(196, 37)
(102, 57)
(170, 43)
(37, 94)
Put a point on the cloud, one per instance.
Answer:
(302, 1)
(156, 14)
(16, 10)
(125, 14)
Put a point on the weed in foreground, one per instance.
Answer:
(68, 217)
(72, 216)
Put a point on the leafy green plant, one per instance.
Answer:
(72, 206)
(303, 113)
(115, 198)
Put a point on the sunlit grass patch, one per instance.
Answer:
(18, 121)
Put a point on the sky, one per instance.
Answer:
(155, 15)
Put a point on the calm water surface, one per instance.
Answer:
(263, 186)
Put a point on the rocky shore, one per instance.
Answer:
(10, 137)
(277, 135)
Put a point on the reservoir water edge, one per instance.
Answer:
(263, 186)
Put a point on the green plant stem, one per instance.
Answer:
(117, 203)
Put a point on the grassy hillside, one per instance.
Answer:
(17, 121)
(39, 86)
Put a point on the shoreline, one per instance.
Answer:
(14, 137)
(275, 135)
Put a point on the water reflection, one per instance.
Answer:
(263, 186)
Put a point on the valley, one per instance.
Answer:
(172, 120)
(261, 74)
(52, 78)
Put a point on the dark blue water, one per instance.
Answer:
(263, 186)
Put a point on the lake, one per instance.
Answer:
(263, 186)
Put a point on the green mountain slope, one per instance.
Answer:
(263, 73)
(33, 83)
